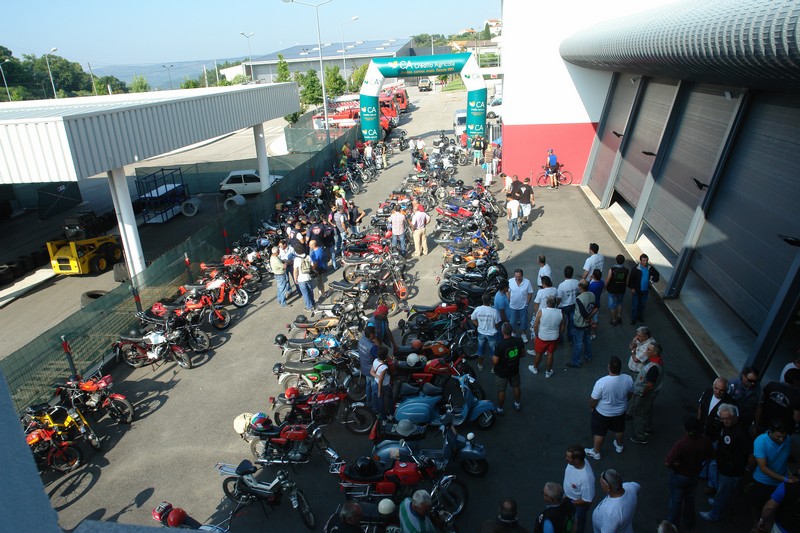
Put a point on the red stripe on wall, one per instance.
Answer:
(525, 147)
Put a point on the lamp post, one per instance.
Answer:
(47, 60)
(249, 53)
(321, 66)
(169, 73)
(344, 61)
(4, 77)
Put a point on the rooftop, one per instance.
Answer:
(333, 50)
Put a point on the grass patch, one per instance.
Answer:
(455, 85)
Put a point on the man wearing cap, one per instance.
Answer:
(382, 330)
(281, 278)
(419, 221)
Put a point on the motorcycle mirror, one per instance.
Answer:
(402, 443)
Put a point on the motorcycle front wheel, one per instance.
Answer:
(297, 382)
(358, 420)
(240, 298)
(357, 388)
(183, 359)
(452, 496)
(468, 344)
(66, 458)
(447, 293)
(475, 467)
(121, 411)
(230, 486)
(220, 318)
(306, 514)
(132, 357)
(391, 301)
(251, 285)
(92, 438)
(283, 413)
(199, 341)
(350, 273)
(257, 448)
(486, 419)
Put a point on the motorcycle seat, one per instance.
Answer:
(245, 468)
(303, 398)
(267, 433)
(211, 266)
(37, 408)
(301, 368)
(407, 390)
(303, 324)
(342, 285)
(471, 287)
(189, 288)
(350, 472)
(129, 338)
(403, 365)
(425, 308)
(300, 343)
(398, 191)
(431, 390)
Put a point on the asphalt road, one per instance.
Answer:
(185, 416)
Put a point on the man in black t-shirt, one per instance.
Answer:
(780, 401)
(525, 197)
(506, 358)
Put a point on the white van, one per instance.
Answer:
(460, 122)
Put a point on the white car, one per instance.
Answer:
(494, 109)
(241, 182)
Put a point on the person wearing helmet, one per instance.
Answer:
(419, 221)
(551, 167)
(347, 519)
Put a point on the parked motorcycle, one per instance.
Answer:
(342, 369)
(68, 424)
(242, 487)
(154, 347)
(425, 408)
(94, 395)
(51, 451)
(287, 443)
(329, 405)
(384, 517)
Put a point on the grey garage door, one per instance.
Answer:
(611, 135)
(739, 254)
(692, 153)
(656, 102)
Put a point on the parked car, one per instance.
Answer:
(494, 109)
(425, 84)
(242, 182)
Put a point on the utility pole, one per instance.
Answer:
(216, 71)
(205, 75)
(94, 86)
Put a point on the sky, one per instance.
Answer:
(146, 31)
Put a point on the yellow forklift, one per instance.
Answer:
(85, 249)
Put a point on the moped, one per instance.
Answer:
(425, 408)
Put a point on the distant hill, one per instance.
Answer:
(157, 75)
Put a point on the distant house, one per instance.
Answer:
(495, 26)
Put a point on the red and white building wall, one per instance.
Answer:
(547, 102)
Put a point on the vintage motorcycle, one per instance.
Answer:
(94, 395)
(50, 451)
(329, 405)
(287, 443)
(154, 347)
(67, 423)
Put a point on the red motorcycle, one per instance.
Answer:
(52, 452)
(420, 313)
(286, 443)
(222, 289)
(322, 407)
(436, 365)
(94, 394)
(193, 305)
(233, 268)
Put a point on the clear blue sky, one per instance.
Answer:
(111, 33)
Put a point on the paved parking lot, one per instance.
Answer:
(185, 416)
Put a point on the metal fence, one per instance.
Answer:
(32, 370)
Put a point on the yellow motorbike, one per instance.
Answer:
(69, 423)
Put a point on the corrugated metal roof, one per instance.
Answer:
(749, 43)
(71, 139)
(333, 50)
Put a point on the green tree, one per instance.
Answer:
(139, 84)
(357, 78)
(335, 84)
(117, 86)
(283, 71)
(190, 84)
(239, 79)
(311, 91)
(486, 34)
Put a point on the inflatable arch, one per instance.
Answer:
(406, 67)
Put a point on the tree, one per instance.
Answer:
(335, 85)
(311, 91)
(139, 84)
(486, 34)
(283, 71)
(239, 79)
(117, 86)
(190, 84)
(357, 78)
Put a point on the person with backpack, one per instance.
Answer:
(303, 275)
(478, 147)
(616, 286)
(585, 309)
(319, 265)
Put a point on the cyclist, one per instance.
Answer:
(551, 167)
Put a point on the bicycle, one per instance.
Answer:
(564, 178)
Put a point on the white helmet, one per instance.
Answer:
(476, 203)
(412, 360)
(386, 507)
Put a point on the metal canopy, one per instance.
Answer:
(72, 139)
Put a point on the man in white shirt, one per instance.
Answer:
(579, 485)
(595, 260)
(544, 270)
(487, 319)
(419, 221)
(398, 222)
(512, 210)
(520, 292)
(546, 290)
(615, 512)
(609, 401)
(567, 293)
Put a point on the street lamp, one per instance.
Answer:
(321, 66)
(4, 77)
(344, 61)
(47, 60)
(249, 53)
(169, 73)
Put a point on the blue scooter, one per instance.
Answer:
(471, 455)
(424, 408)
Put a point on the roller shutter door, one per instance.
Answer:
(739, 254)
(609, 143)
(656, 102)
(697, 139)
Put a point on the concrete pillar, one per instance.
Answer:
(261, 154)
(128, 231)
